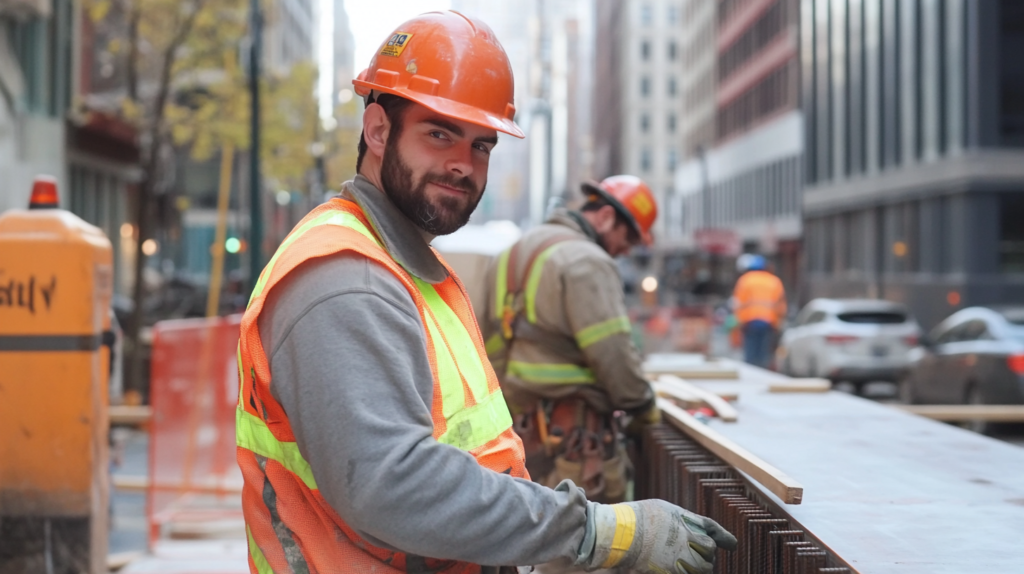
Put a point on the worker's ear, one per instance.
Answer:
(376, 127)
(604, 220)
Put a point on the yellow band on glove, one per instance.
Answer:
(625, 530)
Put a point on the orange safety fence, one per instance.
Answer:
(194, 481)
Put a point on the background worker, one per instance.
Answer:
(560, 340)
(759, 303)
(372, 434)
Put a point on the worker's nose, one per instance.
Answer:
(460, 162)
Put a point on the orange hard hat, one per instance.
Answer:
(449, 63)
(631, 197)
(44, 193)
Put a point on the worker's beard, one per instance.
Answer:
(439, 216)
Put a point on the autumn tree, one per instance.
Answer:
(184, 87)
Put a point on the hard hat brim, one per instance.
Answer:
(592, 187)
(449, 108)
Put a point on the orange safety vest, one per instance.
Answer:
(468, 409)
(759, 296)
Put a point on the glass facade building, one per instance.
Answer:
(914, 151)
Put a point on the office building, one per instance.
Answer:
(741, 192)
(914, 161)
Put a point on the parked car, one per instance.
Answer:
(975, 356)
(853, 340)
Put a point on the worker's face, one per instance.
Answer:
(435, 170)
(613, 234)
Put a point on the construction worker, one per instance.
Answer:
(759, 303)
(372, 433)
(559, 338)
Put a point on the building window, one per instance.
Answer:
(672, 50)
(762, 32)
(645, 86)
(670, 124)
(646, 15)
(673, 15)
(672, 86)
(645, 159)
(1011, 233)
(645, 50)
(775, 92)
(645, 122)
(672, 159)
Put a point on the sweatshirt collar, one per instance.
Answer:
(402, 239)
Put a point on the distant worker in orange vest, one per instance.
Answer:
(372, 432)
(759, 302)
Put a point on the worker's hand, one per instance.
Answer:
(651, 416)
(652, 536)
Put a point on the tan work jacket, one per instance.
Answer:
(572, 336)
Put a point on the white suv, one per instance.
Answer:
(854, 340)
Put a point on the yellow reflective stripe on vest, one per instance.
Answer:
(551, 373)
(333, 217)
(443, 320)
(502, 284)
(599, 331)
(533, 282)
(479, 424)
(467, 428)
(262, 566)
(251, 433)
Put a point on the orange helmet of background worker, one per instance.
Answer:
(631, 197)
(448, 63)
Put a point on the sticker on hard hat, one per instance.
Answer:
(642, 205)
(397, 43)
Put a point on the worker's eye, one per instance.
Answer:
(438, 134)
(482, 147)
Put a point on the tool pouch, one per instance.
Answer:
(609, 487)
(614, 471)
(565, 469)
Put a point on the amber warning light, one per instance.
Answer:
(44, 193)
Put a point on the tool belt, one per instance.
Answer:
(567, 439)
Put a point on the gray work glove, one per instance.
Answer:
(651, 536)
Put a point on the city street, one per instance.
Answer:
(373, 265)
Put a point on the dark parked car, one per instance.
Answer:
(975, 356)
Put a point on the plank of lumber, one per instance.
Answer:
(693, 373)
(130, 482)
(130, 415)
(956, 413)
(723, 409)
(140, 483)
(119, 560)
(800, 386)
(777, 482)
(670, 392)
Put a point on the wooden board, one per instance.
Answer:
(129, 415)
(723, 409)
(694, 373)
(774, 480)
(800, 386)
(119, 560)
(130, 483)
(672, 393)
(958, 413)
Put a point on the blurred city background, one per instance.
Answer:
(869, 149)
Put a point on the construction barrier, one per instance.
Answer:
(194, 481)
